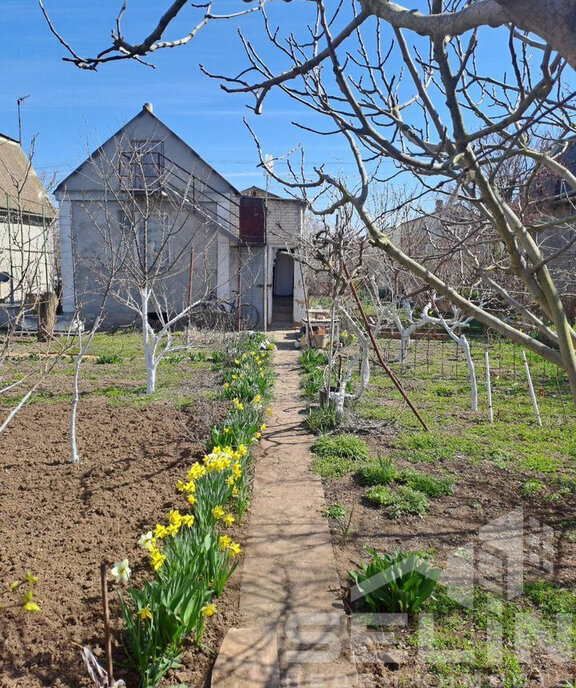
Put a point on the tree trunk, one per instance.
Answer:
(47, 316)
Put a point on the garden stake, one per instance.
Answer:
(531, 390)
(489, 386)
(107, 636)
(381, 360)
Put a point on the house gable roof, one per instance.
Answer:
(145, 112)
(20, 186)
(258, 192)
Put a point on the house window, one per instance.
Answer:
(142, 166)
(153, 243)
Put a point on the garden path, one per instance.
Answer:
(294, 632)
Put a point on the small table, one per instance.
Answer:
(312, 326)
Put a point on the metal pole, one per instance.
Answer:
(381, 360)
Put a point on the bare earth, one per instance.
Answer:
(60, 520)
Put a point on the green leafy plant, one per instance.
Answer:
(380, 472)
(428, 484)
(322, 419)
(532, 487)
(345, 446)
(399, 500)
(398, 582)
(105, 359)
(342, 519)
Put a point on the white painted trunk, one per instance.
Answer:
(489, 387)
(463, 342)
(149, 343)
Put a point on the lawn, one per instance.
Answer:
(433, 493)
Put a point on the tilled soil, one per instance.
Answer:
(59, 521)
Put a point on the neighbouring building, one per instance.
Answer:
(27, 217)
(148, 186)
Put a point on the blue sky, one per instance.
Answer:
(71, 110)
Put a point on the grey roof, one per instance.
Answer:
(20, 187)
(145, 112)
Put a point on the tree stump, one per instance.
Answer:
(47, 305)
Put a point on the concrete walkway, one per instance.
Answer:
(294, 632)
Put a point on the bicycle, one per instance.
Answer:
(220, 314)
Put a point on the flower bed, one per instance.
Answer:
(191, 555)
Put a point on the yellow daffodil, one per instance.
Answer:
(218, 512)
(231, 481)
(196, 471)
(192, 500)
(146, 614)
(263, 427)
(209, 610)
(258, 435)
(226, 385)
(224, 541)
(226, 431)
(234, 549)
(160, 531)
(234, 377)
(229, 519)
(256, 399)
(174, 517)
(237, 362)
(173, 529)
(268, 411)
(157, 559)
(30, 578)
(188, 520)
(235, 492)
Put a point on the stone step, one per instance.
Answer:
(248, 658)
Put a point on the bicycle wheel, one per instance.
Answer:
(249, 316)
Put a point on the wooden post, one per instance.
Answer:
(381, 360)
(531, 390)
(107, 636)
(489, 386)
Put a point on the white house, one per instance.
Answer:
(26, 240)
(187, 223)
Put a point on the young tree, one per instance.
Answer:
(148, 245)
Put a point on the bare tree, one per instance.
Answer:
(551, 20)
(412, 89)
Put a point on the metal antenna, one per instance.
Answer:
(19, 103)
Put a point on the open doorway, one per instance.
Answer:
(283, 288)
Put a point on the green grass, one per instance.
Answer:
(321, 419)
(428, 484)
(336, 455)
(398, 501)
(345, 446)
(379, 472)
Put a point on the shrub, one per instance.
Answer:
(398, 501)
(322, 419)
(380, 472)
(405, 582)
(346, 446)
(106, 359)
(428, 484)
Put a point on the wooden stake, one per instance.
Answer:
(107, 636)
(531, 390)
(489, 386)
(381, 360)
